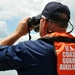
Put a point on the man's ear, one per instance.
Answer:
(43, 21)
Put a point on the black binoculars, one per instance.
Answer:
(34, 22)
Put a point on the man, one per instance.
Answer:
(39, 57)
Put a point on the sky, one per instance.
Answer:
(12, 11)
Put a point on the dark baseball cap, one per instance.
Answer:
(53, 11)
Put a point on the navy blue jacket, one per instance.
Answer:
(29, 58)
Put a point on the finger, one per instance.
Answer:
(26, 19)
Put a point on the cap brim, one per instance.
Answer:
(38, 16)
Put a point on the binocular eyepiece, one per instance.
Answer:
(34, 22)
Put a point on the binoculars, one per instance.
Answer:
(34, 22)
